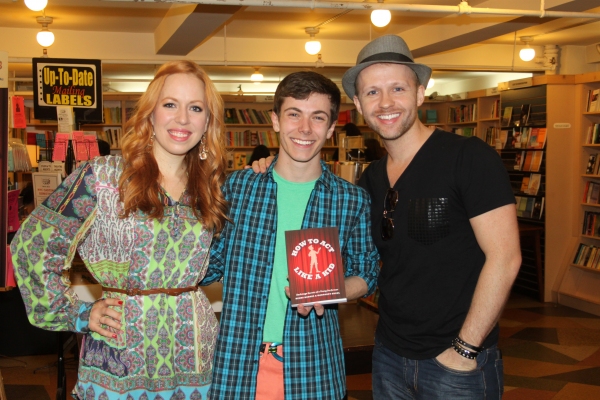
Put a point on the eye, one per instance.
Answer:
(169, 105)
(398, 89)
(196, 109)
(320, 118)
(372, 92)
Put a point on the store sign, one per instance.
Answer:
(75, 83)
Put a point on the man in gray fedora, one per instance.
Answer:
(444, 222)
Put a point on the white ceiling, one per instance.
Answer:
(430, 35)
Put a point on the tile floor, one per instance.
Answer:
(550, 352)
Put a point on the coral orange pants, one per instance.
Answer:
(269, 382)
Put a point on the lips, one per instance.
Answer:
(303, 142)
(179, 134)
(388, 117)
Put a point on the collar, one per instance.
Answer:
(327, 178)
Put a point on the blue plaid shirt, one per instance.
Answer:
(243, 255)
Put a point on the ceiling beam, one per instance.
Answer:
(185, 27)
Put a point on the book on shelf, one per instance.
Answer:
(519, 158)
(594, 101)
(315, 268)
(536, 160)
(593, 136)
(431, 116)
(491, 134)
(495, 109)
(538, 208)
(511, 140)
(591, 165)
(528, 212)
(506, 116)
(541, 138)
(591, 193)
(525, 133)
(521, 206)
(535, 181)
(524, 114)
(587, 256)
(239, 159)
(524, 184)
(229, 157)
(527, 162)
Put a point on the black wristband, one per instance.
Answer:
(464, 352)
(467, 345)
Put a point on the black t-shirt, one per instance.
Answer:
(432, 263)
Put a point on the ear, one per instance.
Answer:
(357, 104)
(275, 120)
(331, 130)
(420, 95)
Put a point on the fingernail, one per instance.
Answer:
(114, 336)
(120, 302)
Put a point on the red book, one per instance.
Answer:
(315, 268)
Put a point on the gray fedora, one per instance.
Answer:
(385, 49)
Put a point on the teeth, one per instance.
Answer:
(389, 116)
(303, 142)
(178, 134)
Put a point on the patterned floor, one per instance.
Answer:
(550, 352)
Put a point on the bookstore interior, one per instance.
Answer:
(541, 112)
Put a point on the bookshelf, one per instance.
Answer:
(475, 115)
(522, 147)
(580, 284)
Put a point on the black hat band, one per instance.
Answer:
(388, 57)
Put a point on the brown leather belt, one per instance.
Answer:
(140, 292)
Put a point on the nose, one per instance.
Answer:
(304, 126)
(182, 116)
(385, 100)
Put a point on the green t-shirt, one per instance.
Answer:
(292, 199)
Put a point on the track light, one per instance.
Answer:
(527, 53)
(36, 5)
(256, 77)
(381, 17)
(44, 37)
(313, 46)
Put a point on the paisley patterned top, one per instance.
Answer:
(165, 349)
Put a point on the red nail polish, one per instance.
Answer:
(114, 336)
(120, 302)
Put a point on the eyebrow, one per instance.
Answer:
(317, 112)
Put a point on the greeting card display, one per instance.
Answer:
(316, 271)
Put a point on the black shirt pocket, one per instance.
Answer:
(428, 220)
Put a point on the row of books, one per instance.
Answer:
(466, 131)
(428, 116)
(251, 138)
(531, 184)
(237, 159)
(587, 256)
(530, 207)
(591, 223)
(353, 116)
(528, 161)
(591, 193)
(492, 133)
(593, 101)
(112, 115)
(112, 136)
(593, 134)
(593, 165)
(247, 116)
(523, 138)
(495, 109)
(462, 113)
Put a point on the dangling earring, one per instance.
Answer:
(151, 142)
(203, 153)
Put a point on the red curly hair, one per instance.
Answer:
(139, 185)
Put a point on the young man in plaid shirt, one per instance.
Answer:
(266, 349)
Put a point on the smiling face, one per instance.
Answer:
(180, 116)
(303, 126)
(388, 96)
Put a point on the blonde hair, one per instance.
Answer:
(139, 185)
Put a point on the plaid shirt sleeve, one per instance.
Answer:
(313, 353)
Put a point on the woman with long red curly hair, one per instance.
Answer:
(142, 224)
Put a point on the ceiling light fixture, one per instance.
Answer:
(36, 5)
(256, 77)
(44, 37)
(526, 53)
(313, 46)
(381, 17)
